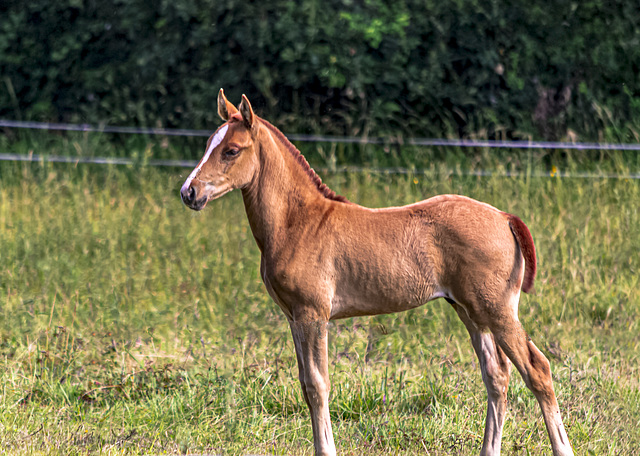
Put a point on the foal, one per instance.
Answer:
(325, 258)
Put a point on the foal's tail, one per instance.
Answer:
(525, 241)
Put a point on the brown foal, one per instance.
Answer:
(324, 258)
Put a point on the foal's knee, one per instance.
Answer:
(316, 387)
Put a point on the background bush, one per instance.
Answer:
(522, 69)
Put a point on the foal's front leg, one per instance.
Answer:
(311, 341)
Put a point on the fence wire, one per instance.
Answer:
(492, 144)
(441, 142)
(322, 169)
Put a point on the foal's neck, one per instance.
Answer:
(282, 140)
(284, 193)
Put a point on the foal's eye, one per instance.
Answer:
(231, 152)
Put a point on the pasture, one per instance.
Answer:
(132, 325)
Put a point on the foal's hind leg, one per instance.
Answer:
(496, 369)
(536, 372)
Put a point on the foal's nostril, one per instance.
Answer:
(188, 195)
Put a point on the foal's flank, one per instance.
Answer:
(324, 258)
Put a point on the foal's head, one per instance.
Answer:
(230, 161)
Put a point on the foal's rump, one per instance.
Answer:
(484, 251)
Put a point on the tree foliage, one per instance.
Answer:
(365, 67)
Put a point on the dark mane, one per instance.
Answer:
(322, 188)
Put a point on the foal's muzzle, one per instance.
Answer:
(188, 195)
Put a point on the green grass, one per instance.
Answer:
(131, 325)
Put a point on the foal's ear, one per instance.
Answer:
(225, 108)
(247, 112)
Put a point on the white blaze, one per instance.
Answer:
(217, 139)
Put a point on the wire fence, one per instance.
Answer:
(337, 169)
(494, 144)
(441, 142)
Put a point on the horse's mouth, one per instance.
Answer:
(213, 192)
(200, 203)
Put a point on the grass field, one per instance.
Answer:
(132, 325)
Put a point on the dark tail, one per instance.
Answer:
(525, 241)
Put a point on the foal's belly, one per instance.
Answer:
(387, 276)
(365, 298)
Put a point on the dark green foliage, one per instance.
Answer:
(418, 67)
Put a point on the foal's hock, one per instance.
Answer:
(323, 258)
